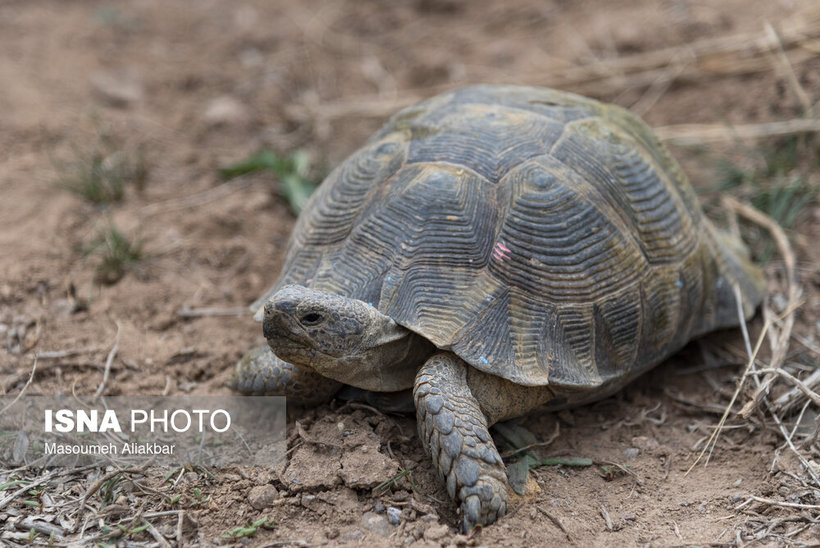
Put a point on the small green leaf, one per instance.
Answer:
(139, 529)
(293, 173)
(297, 192)
(517, 475)
(5, 486)
(263, 160)
(516, 435)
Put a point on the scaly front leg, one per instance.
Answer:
(454, 432)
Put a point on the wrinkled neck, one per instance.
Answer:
(386, 367)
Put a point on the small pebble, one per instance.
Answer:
(376, 523)
(429, 518)
(644, 443)
(251, 57)
(353, 536)
(262, 496)
(393, 515)
(436, 532)
(226, 110)
(379, 507)
(631, 453)
(119, 88)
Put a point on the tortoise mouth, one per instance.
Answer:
(295, 351)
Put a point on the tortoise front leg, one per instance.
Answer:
(454, 432)
(260, 371)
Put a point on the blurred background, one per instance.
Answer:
(154, 153)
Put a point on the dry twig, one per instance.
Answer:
(25, 386)
(157, 536)
(108, 361)
(800, 385)
(59, 354)
(556, 521)
(609, 525)
(778, 503)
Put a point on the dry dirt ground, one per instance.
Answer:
(188, 87)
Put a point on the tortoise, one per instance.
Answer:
(499, 250)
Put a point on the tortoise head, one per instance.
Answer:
(341, 338)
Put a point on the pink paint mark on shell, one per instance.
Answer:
(307, 282)
(501, 252)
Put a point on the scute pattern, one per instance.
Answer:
(482, 139)
(447, 225)
(617, 325)
(563, 246)
(541, 236)
(664, 225)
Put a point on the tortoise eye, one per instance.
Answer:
(311, 318)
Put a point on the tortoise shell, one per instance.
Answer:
(541, 236)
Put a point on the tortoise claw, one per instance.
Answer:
(483, 504)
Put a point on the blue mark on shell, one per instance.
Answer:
(679, 283)
(483, 359)
(389, 278)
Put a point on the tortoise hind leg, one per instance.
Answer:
(260, 371)
(454, 432)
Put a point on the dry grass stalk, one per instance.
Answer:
(778, 503)
(781, 342)
(812, 395)
(739, 54)
(788, 401)
(60, 354)
(798, 39)
(709, 445)
(609, 525)
(25, 386)
(788, 70)
(697, 134)
(108, 362)
(781, 346)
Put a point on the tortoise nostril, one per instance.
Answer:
(311, 318)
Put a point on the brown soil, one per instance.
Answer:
(192, 86)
